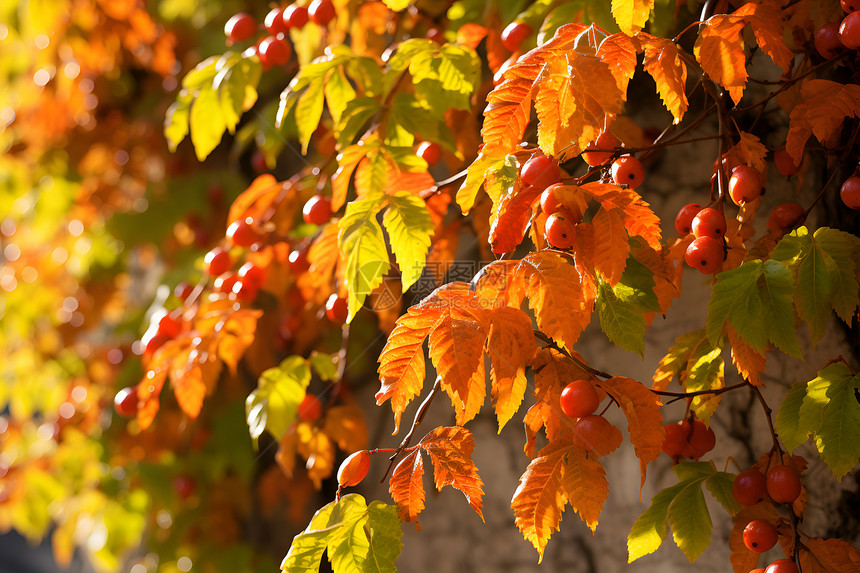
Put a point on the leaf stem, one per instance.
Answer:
(715, 392)
(579, 363)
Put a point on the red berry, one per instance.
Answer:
(709, 223)
(540, 171)
(604, 141)
(750, 487)
(785, 217)
(321, 12)
(827, 41)
(169, 323)
(514, 34)
(336, 309)
(353, 469)
(182, 291)
(184, 486)
(244, 291)
(705, 254)
(784, 163)
(849, 31)
(745, 184)
(760, 535)
(579, 398)
(627, 170)
(274, 22)
(295, 16)
(317, 211)
(684, 218)
(850, 191)
(258, 162)
(429, 152)
(675, 441)
(781, 566)
(310, 408)
(559, 232)
(702, 439)
(783, 484)
(217, 262)
(589, 431)
(243, 233)
(549, 202)
(240, 27)
(152, 341)
(299, 261)
(849, 6)
(252, 274)
(757, 570)
(274, 52)
(125, 402)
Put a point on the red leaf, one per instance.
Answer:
(407, 486)
(512, 218)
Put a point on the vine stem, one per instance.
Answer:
(419, 416)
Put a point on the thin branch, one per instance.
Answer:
(715, 392)
(582, 365)
(419, 416)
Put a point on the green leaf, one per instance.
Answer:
(237, 83)
(636, 286)
(338, 93)
(788, 425)
(357, 538)
(735, 299)
(813, 290)
(408, 117)
(355, 115)
(830, 410)
(309, 110)
(720, 485)
(792, 246)
(475, 178)
(649, 529)
(705, 370)
(362, 245)
(446, 79)
(177, 117)
(275, 402)
(409, 228)
(690, 521)
(840, 252)
(207, 122)
(622, 322)
(777, 290)
(324, 365)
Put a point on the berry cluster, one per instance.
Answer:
(688, 439)
(707, 251)
(273, 49)
(580, 399)
(780, 485)
(834, 38)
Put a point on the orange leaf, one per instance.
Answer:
(497, 285)
(585, 483)
(610, 252)
(401, 362)
(508, 110)
(825, 105)
(829, 556)
(457, 350)
(268, 199)
(604, 443)
(316, 284)
(465, 410)
(450, 450)
(766, 23)
(235, 335)
(644, 418)
(407, 487)
(148, 392)
(720, 50)
(511, 219)
(748, 362)
(510, 345)
(749, 151)
(541, 496)
(317, 449)
(742, 559)
(347, 161)
(345, 425)
(664, 63)
(619, 52)
(562, 298)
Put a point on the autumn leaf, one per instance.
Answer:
(346, 426)
(619, 52)
(541, 496)
(407, 486)
(323, 258)
(512, 217)
(829, 556)
(401, 362)
(347, 161)
(663, 61)
(631, 15)
(825, 105)
(676, 358)
(562, 298)
(766, 22)
(610, 252)
(720, 50)
(450, 450)
(644, 418)
(749, 362)
(510, 346)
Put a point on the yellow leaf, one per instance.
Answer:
(585, 483)
(631, 15)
